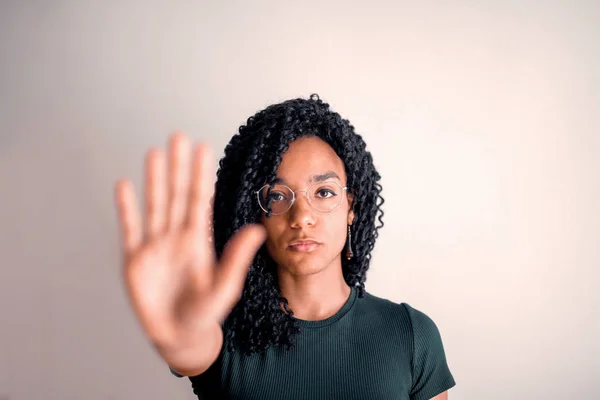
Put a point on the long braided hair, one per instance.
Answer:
(251, 160)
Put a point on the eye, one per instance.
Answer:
(325, 193)
(276, 196)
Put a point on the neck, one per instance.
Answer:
(315, 297)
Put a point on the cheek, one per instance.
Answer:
(340, 237)
(337, 231)
(275, 232)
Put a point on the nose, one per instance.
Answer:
(301, 213)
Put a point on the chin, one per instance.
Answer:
(304, 267)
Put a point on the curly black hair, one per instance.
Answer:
(251, 160)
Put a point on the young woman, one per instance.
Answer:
(259, 291)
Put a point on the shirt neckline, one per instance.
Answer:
(334, 318)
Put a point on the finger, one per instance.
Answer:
(234, 265)
(156, 192)
(129, 216)
(179, 179)
(201, 192)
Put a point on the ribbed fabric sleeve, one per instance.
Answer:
(430, 373)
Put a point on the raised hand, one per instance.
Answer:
(176, 286)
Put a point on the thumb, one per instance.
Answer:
(238, 254)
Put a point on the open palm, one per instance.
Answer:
(176, 285)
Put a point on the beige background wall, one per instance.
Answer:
(483, 118)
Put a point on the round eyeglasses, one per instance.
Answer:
(323, 197)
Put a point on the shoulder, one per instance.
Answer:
(382, 305)
(399, 312)
(390, 319)
(407, 320)
(422, 324)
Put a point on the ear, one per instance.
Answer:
(350, 211)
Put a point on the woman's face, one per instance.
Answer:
(308, 161)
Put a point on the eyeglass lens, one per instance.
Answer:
(323, 197)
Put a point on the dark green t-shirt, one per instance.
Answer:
(371, 349)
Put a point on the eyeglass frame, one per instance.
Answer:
(344, 189)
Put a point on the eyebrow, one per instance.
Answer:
(314, 178)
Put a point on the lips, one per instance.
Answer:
(303, 246)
